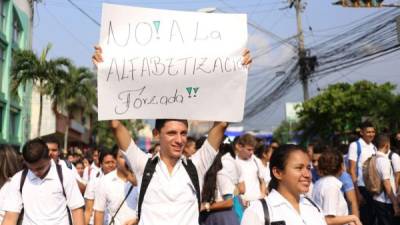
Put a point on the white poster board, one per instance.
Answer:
(171, 64)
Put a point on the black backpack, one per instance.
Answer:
(60, 176)
(149, 170)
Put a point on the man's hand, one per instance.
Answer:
(246, 57)
(97, 56)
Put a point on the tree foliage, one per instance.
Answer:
(342, 107)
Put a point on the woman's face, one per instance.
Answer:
(296, 176)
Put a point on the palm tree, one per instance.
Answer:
(73, 93)
(28, 67)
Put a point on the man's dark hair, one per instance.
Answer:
(366, 124)
(35, 150)
(382, 140)
(200, 142)
(161, 122)
(52, 139)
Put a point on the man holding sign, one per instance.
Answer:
(145, 68)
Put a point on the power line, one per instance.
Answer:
(84, 13)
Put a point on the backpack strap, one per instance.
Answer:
(60, 176)
(21, 185)
(313, 203)
(358, 155)
(23, 178)
(116, 212)
(266, 211)
(149, 170)
(390, 158)
(194, 177)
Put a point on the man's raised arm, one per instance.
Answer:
(122, 135)
(216, 134)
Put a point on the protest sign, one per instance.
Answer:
(171, 64)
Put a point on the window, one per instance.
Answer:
(14, 124)
(1, 64)
(17, 29)
(1, 117)
(2, 15)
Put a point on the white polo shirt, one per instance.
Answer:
(90, 191)
(227, 177)
(328, 196)
(230, 168)
(110, 193)
(395, 162)
(170, 198)
(385, 172)
(367, 150)
(281, 210)
(3, 193)
(93, 169)
(251, 173)
(43, 199)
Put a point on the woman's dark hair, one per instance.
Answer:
(105, 152)
(210, 178)
(260, 148)
(330, 163)
(10, 163)
(279, 160)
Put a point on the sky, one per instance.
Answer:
(73, 35)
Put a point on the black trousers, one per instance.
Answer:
(384, 213)
(367, 213)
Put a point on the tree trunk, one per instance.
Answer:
(40, 114)
(66, 134)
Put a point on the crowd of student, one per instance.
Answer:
(207, 181)
(211, 181)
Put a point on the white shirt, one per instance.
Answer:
(43, 199)
(327, 195)
(367, 150)
(110, 194)
(170, 198)
(226, 178)
(90, 191)
(63, 163)
(230, 168)
(385, 172)
(395, 162)
(3, 193)
(281, 210)
(93, 171)
(266, 173)
(251, 173)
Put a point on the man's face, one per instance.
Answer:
(53, 151)
(245, 151)
(172, 136)
(368, 134)
(39, 168)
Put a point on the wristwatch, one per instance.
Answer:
(207, 206)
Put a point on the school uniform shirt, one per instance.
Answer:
(3, 194)
(90, 171)
(63, 163)
(266, 173)
(395, 162)
(385, 172)
(110, 193)
(367, 150)
(281, 210)
(170, 198)
(251, 173)
(90, 191)
(42, 199)
(230, 168)
(328, 195)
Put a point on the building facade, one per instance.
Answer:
(15, 33)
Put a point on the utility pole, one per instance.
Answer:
(303, 75)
